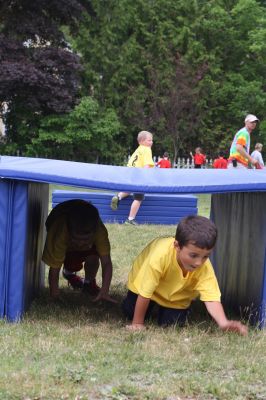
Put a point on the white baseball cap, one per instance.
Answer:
(251, 118)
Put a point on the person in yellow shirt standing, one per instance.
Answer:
(141, 158)
(77, 238)
(172, 272)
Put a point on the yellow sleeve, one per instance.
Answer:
(148, 280)
(101, 240)
(146, 272)
(207, 284)
(56, 244)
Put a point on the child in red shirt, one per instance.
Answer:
(199, 158)
(220, 162)
(164, 162)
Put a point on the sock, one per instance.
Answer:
(68, 273)
(130, 218)
(89, 280)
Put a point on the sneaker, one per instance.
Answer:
(114, 203)
(74, 280)
(130, 222)
(91, 288)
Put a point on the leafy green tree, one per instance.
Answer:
(125, 44)
(85, 134)
(231, 35)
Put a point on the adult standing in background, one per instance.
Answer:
(239, 151)
(256, 154)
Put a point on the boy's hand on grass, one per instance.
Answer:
(235, 326)
(104, 296)
(135, 327)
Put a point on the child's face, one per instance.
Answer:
(190, 257)
(147, 141)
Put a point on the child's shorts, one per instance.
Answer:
(166, 316)
(139, 196)
(74, 259)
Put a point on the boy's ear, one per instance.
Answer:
(176, 245)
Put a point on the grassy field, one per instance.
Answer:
(76, 349)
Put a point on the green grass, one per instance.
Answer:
(76, 349)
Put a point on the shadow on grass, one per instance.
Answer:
(77, 307)
(74, 307)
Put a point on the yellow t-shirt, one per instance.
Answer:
(58, 242)
(141, 157)
(157, 275)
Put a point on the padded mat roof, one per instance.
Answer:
(153, 180)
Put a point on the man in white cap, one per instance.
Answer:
(239, 151)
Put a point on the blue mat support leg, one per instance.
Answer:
(24, 208)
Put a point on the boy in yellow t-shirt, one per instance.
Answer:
(141, 158)
(171, 272)
(77, 236)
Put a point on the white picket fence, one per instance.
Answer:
(183, 162)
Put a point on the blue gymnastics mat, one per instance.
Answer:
(23, 210)
(155, 209)
(238, 209)
(144, 180)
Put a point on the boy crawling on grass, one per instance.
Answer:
(171, 272)
(77, 237)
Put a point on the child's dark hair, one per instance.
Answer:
(196, 230)
(83, 218)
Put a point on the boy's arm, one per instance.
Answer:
(107, 271)
(53, 278)
(141, 307)
(215, 309)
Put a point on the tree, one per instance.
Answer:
(87, 133)
(127, 40)
(39, 72)
(170, 106)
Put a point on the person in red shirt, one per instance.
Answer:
(220, 162)
(199, 158)
(164, 162)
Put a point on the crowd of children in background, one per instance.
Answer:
(220, 162)
(239, 156)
